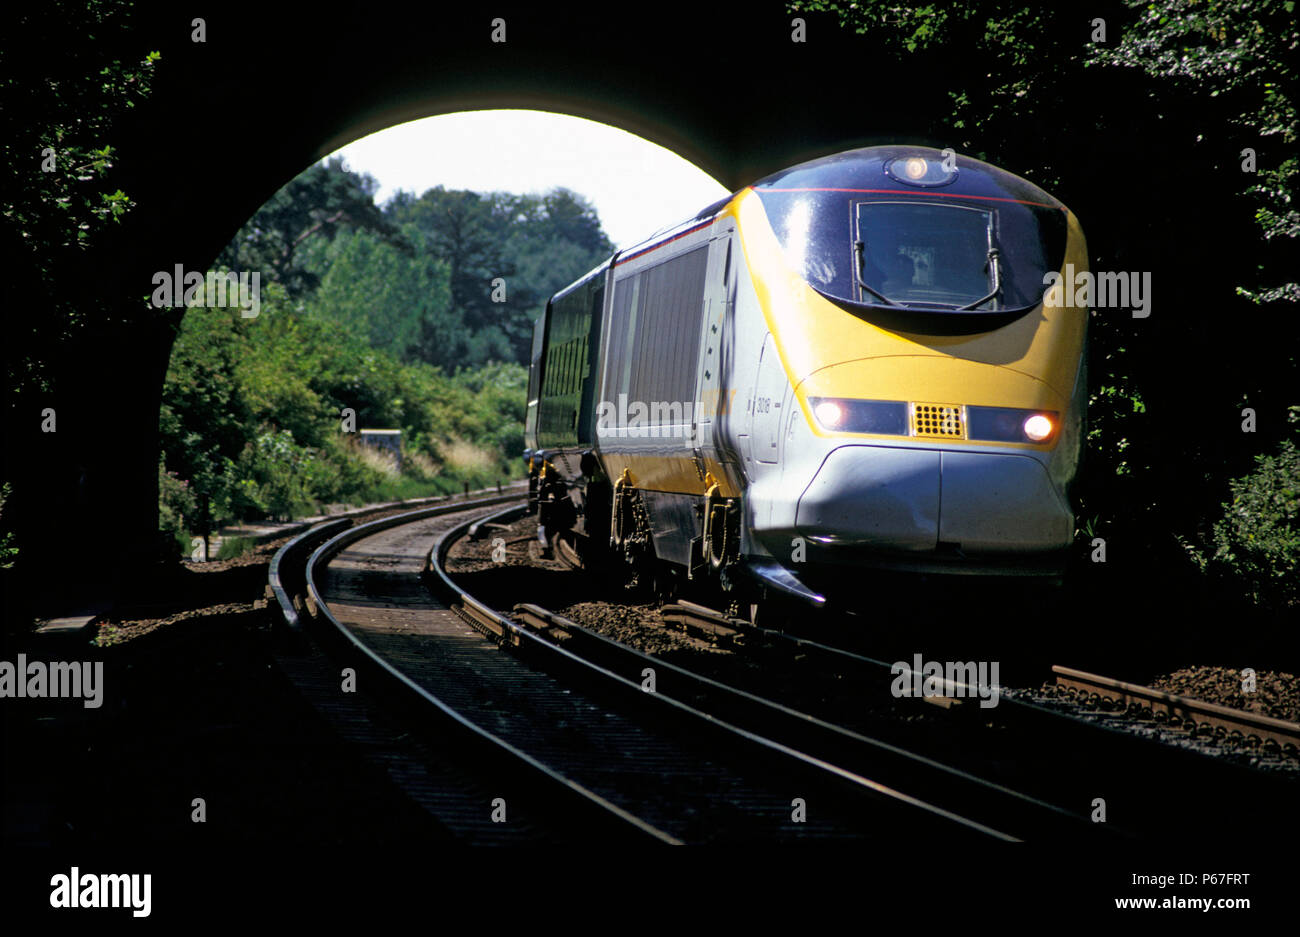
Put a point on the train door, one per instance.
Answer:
(716, 389)
(765, 414)
(535, 379)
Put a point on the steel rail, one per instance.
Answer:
(432, 704)
(1187, 710)
(510, 633)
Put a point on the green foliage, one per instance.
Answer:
(415, 280)
(536, 244)
(276, 477)
(234, 547)
(318, 203)
(59, 110)
(387, 298)
(1142, 133)
(462, 229)
(498, 390)
(177, 507)
(8, 551)
(252, 410)
(1256, 542)
(390, 314)
(1244, 52)
(83, 95)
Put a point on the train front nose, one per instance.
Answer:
(1001, 502)
(913, 500)
(874, 496)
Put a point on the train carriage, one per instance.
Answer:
(849, 363)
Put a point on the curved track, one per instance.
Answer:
(1022, 767)
(558, 739)
(583, 752)
(700, 704)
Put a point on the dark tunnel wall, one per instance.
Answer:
(232, 119)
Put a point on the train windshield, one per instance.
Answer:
(919, 253)
(929, 252)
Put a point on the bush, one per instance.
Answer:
(1256, 544)
(234, 547)
(8, 552)
(177, 509)
(252, 420)
(277, 478)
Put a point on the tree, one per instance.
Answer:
(559, 215)
(1244, 53)
(386, 297)
(1225, 69)
(58, 195)
(317, 204)
(461, 229)
(535, 244)
(203, 419)
(1136, 114)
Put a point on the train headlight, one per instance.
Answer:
(920, 171)
(1005, 424)
(829, 414)
(845, 415)
(1038, 427)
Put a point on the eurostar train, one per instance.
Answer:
(849, 363)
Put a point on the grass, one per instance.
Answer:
(380, 460)
(423, 477)
(403, 488)
(467, 459)
(233, 547)
(419, 464)
(108, 635)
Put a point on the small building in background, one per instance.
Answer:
(388, 440)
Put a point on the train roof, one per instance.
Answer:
(596, 271)
(867, 170)
(877, 169)
(677, 227)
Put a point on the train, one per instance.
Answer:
(850, 364)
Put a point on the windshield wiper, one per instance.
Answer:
(858, 253)
(994, 261)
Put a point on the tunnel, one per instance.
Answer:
(739, 89)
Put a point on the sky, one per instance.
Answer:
(636, 186)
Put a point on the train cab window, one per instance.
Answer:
(932, 253)
(921, 253)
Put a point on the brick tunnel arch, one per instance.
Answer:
(234, 118)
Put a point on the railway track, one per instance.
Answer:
(1196, 716)
(1046, 755)
(703, 702)
(563, 734)
(586, 756)
(1161, 784)
(392, 724)
(938, 783)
